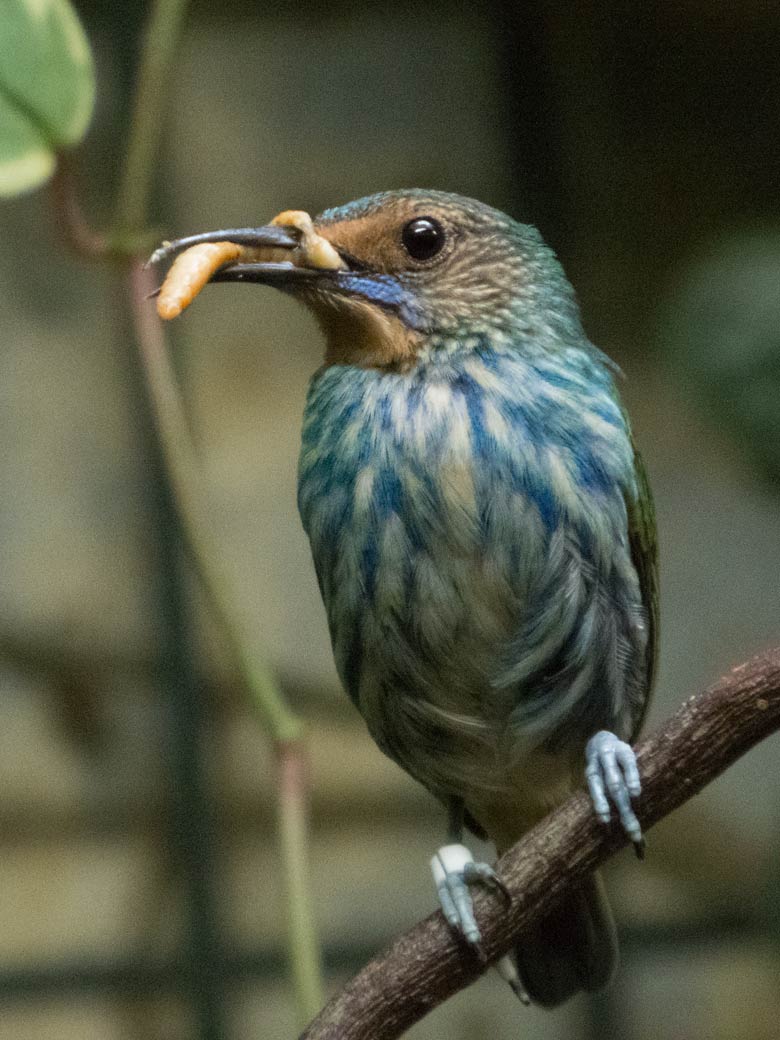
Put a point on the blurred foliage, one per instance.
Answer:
(721, 326)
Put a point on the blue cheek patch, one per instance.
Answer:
(385, 291)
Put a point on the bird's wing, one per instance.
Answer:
(643, 540)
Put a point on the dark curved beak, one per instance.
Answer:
(277, 273)
(274, 235)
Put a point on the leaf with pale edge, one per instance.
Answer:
(47, 89)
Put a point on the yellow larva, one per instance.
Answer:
(190, 271)
(195, 267)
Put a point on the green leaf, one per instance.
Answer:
(47, 89)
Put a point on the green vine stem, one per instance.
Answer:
(129, 236)
(293, 836)
(283, 726)
(161, 38)
(285, 729)
(186, 483)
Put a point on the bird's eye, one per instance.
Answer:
(423, 238)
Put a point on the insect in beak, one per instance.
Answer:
(287, 249)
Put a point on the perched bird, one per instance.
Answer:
(482, 532)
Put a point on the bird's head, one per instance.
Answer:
(412, 267)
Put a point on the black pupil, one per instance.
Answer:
(423, 238)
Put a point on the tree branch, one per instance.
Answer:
(427, 964)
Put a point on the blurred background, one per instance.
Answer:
(139, 892)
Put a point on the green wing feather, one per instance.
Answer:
(642, 536)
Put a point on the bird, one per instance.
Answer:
(482, 531)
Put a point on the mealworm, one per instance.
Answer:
(190, 271)
(196, 266)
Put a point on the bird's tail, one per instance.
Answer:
(574, 948)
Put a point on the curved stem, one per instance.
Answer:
(185, 478)
(161, 38)
(70, 221)
(303, 942)
(283, 725)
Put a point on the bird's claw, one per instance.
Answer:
(507, 969)
(613, 775)
(483, 874)
(454, 869)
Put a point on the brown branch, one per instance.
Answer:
(427, 964)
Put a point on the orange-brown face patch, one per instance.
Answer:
(358, 332)
(375, 239)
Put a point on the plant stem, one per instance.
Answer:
(283, 726)
(71, 222)
(184, 475)
(161, 38)
(293, 811)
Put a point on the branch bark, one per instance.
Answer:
(428, 964)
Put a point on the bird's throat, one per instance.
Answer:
(360, 333)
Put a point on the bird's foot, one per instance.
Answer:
(612, 775)
(454, 869)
